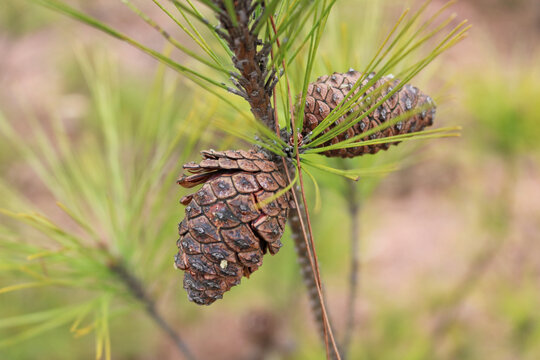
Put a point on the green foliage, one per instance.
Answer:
(402, 341)
(518, 309)
(112, 182)
(504, 105)
(17, 18)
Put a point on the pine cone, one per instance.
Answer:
(228, 226)
(327, 92)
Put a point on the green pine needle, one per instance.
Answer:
(419, 135)
(71, 12)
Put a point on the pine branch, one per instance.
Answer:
(250, 56)
(331, 352)
(308, 276)
(309, 266)
(137, 290)
(354, 210)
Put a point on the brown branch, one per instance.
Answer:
(297, 233)
(136, 289)
(250, 62)
(304, 248)
(329, 334)
(351, 195)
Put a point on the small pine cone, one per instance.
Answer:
(228, 225)
(327, 92)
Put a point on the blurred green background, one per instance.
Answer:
(449, 243)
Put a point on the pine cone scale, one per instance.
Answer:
(205, 196)
(209, 164)
(245, 183)
(227, 164)
(190, 246)
(247, 165)
(202, 230)
(223, 187)
(221, 216)
(243, 207)
(267, 182)
(192, 210)
(240, 239)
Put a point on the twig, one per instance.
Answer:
(307, 269)
(451, 305)
(449, 308)
(354, 210)
(308, 275)
(329, 335)
(250, 62)
(137, 290)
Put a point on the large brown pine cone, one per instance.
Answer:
(228, 225)
(327, 92)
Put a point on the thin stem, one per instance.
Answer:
(328, 329)
(353, 203)
(305, 270)
(304, 249)
(448, 310)
(255, 80)
(136, 288)
(198, 39)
